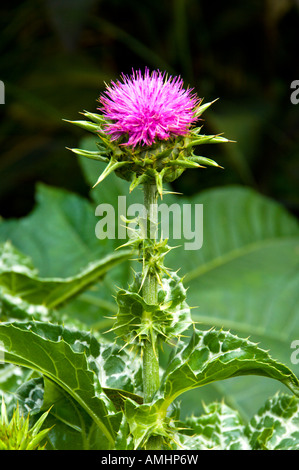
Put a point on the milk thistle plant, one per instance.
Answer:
(117, 395)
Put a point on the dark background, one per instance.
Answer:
(56, 55)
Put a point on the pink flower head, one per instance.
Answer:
(148, 107)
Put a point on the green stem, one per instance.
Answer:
(150, 294)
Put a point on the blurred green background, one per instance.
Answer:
(56, 55)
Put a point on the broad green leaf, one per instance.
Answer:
(30, 393)
(59, 234)
(119, 370)
(65, 246)
(73, 428)
(13, 307)
(249, 249)
(276, 425)
(13, 259)
(209, 356)
(11, 377)
(244, 278)
(64, 437)
(218, 428)
(61, 355)
(217, 355)
(86, 381)
(99, 304)
(17, 280)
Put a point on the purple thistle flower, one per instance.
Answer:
(148, 107)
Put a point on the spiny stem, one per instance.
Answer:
(150, 294)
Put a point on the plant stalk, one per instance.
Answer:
(151, 379)
(150, 295)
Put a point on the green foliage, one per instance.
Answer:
(217, 355)
(57, 281)
(218, 428)
(274, 427)
(52, 337)
(17, 280)
(245, 278)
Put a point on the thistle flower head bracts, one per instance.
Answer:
(147, 129)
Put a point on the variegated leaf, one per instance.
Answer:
(217, 355)
(65, 357)
(276, 425)
(219, 428)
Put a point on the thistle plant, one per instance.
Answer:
(148, 130)
(115, 395)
